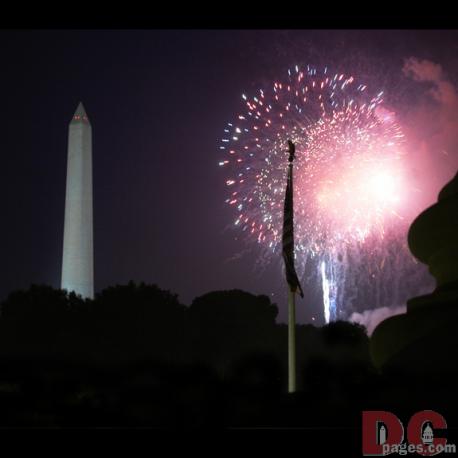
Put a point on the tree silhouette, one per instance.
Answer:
(136, 356)
(228, 325)
(35, 322)
(135, 322)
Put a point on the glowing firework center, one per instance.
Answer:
(348, 171)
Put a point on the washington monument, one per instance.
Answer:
(78, 256)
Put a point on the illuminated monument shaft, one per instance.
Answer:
(78, 257)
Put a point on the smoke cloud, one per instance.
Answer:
(442, 90)
(432, 126)
(371, 318)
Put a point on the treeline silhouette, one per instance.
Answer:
(136, 356)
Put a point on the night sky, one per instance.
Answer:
(158, 102)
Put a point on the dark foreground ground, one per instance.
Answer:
(219, 364)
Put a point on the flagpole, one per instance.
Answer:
(291, 276)
(291, 341)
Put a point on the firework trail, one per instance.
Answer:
(350, 189)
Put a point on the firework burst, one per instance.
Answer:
(349, 180)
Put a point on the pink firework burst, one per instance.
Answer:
(350, 183)
(348, 173)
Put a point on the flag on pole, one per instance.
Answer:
(288, 227)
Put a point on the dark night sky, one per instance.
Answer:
(158, 102)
